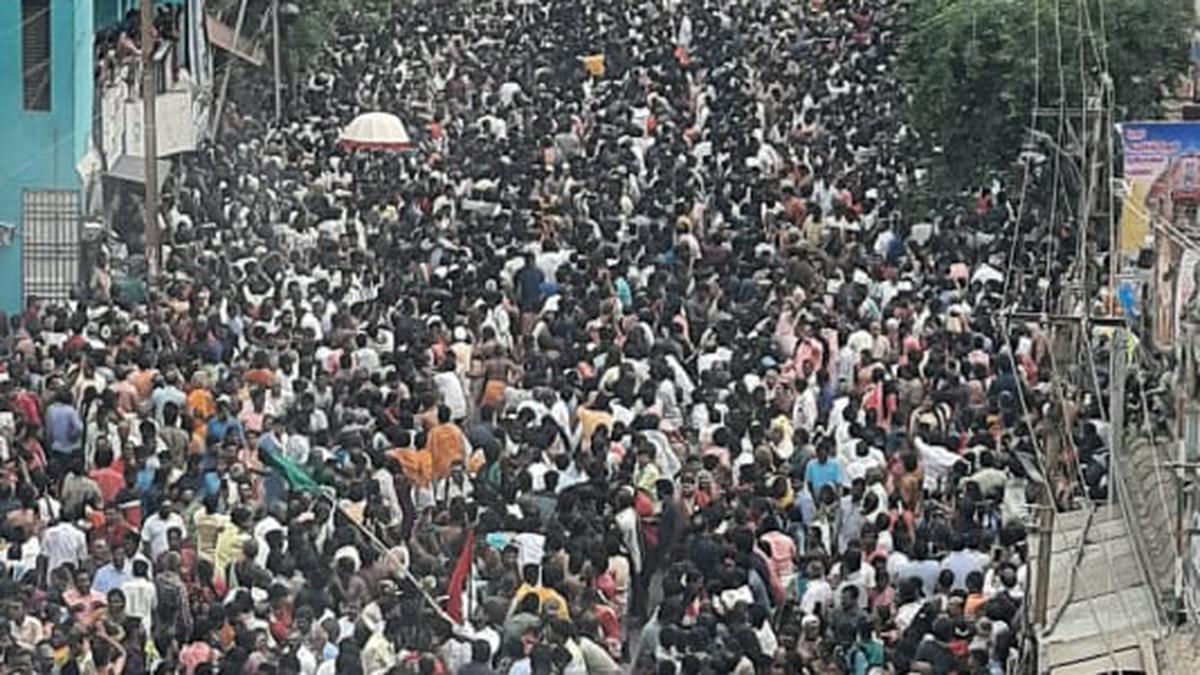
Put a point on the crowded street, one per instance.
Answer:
(629, 360)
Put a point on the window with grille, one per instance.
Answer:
(35, 53)
(50, 238)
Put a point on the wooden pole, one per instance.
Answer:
(275, 49)
(1041, 593)
(1184, 410)
(153, 252)
(237, 33)
(1116, 407)
(1053, 444)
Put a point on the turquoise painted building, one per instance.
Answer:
(48, 108)
(46, 94)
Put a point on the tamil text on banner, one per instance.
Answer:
(1162, 189)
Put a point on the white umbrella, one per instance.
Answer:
(375, 131)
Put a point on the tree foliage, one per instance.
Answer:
(975, 69)
(319, 20)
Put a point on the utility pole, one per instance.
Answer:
(1041, 592)
(1051, 446)
(1118, 362)
(275, 43)
(1183, 404)
(153, 251)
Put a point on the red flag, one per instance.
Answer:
(458, 578)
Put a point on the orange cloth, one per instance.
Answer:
(476, 462)
(445, 446)
(143, 381)
(417, 465)
(493, 393)
(261, 377)
(199, 440)
(201, 405)
(974, 604)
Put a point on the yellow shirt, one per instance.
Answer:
(591, 420)
(594, 65)
(545, 595)
(229, 548)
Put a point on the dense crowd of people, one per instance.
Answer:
(631, 364)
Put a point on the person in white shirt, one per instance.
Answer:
(819, 592)
(273, 522)
(365, 357)
(962, 560)
(804, 410)
(63, 543)
(141, 598)
(864, 460)
(154, 530)
(453, 394)
(937, 460)
(316, 651)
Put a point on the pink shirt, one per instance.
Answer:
(194, 654)
(86, 606)
(783, 554)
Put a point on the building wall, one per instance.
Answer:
(41, 149)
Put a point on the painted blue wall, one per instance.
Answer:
(41, 149)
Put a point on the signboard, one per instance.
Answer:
(1162, 180)
(174, 125)
(1162, 176)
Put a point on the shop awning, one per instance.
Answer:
(132, 169)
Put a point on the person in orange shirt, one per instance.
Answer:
(143, 382)
(200, 401)
(260, 374)
(976, 598)
(109, 477)
(446, 444)
(416, 464)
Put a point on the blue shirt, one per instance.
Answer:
(64, 428)
(270, 443)
(218, 429)
(819, 475)
(108, 578)
(925, 570)
(529, 288)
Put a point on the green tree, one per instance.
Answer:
(319, 19)
(976, 68)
